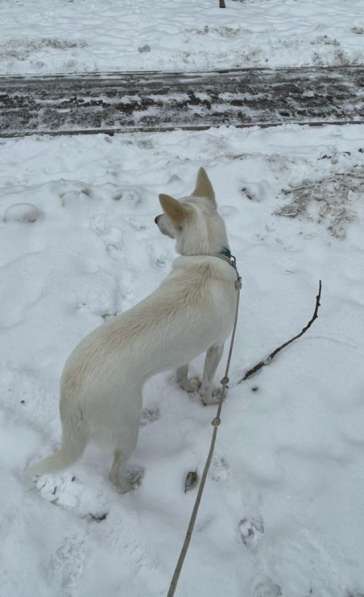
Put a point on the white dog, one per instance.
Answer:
(190, 313)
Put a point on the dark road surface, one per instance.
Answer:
(124, 102)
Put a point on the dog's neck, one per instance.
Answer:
(225, 254)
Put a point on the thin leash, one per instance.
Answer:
(226, 255)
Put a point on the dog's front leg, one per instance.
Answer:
(189, 385)
(213, 357)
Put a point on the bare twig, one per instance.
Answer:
(274, 353)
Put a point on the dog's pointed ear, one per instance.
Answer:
(173, 208)
(204, 187)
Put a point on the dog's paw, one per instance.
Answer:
(191, 385)
(211, 398)
(130, 481)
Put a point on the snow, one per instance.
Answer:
(283, 511)
(69, 36)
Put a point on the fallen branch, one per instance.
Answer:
(274, 353)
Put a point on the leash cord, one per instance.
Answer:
(215, 423)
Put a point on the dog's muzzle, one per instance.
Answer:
(163, 225)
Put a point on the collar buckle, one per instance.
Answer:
(226, 255)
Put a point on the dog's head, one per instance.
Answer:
(194, 221)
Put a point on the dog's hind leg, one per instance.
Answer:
(213, 357)
(123, 478)
(119, 474)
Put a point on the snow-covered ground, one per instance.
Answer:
(39, 36)
(283, 512)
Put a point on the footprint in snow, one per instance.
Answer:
(220, 469)
(69, 493)
(149, 415)
(267, 588)
(26, 213)
(251, 531)
(67, 564)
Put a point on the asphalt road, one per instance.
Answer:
(155, 101)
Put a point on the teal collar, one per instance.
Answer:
(225, 252)
(226, 255)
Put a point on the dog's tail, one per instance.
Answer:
(75, 438)
(61, 459)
